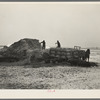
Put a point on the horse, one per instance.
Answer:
(87, 54)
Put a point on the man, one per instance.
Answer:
(43, 44)
(58, 44)
(87, 54)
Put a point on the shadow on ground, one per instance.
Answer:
(43, 64)
(84, 64)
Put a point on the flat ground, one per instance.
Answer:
(49, 76)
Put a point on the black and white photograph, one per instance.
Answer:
(50, 45)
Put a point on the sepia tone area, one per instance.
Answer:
(50, 45)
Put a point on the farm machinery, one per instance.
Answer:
(72, 55)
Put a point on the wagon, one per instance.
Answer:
(64, 55)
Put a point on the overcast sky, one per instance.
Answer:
(70, 23)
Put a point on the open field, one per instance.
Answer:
(58, 76)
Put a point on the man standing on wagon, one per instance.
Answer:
(43, 44)
(58, 44)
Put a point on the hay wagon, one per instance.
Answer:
(64, 55)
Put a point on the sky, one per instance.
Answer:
(72, 23)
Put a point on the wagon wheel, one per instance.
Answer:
(32, 58)
(83, 58)
(66, 59)
(47, 61)
(53, 61)
(46, 57)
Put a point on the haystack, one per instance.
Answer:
(20, 49)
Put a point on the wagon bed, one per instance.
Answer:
(64, 54)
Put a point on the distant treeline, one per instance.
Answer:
(94, 48)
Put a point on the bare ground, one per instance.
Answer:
(49, 77)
